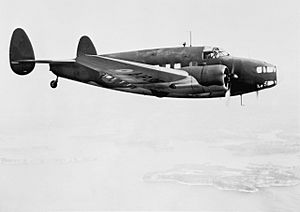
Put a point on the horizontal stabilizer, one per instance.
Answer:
(21, 54)
(42, 61)
(86, 47)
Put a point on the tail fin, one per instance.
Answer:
(21, 49)
(86, 46)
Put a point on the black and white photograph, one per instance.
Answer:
(135, 105)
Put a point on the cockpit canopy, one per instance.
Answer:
(213, 52)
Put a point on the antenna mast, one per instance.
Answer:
(190, 38)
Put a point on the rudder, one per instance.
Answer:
(21, 49)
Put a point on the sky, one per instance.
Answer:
(259, 29)
(265, 30)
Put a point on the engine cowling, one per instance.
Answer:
(209, 74)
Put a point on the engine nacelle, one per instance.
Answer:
(209, 74)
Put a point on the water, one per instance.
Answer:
(71, 171)
(250, 179)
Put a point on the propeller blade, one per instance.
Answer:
(227, 97)
(229, 79)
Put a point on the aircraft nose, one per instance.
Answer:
(267, 75)
(275, 73)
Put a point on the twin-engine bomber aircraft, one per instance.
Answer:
(182, 72)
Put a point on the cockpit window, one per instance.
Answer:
(208, 55)
(265, 69)
(215, 52)
(223, 53)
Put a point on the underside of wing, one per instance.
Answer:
(131, 72)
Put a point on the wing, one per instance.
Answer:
(131, 72)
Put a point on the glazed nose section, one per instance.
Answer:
(275, 75)
(267, 76)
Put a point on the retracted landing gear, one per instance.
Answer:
(53, 83)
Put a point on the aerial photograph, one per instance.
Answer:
(150, 105)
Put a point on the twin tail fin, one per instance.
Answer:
(21, 55)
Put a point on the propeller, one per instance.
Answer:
(230, 76)
(227, 97)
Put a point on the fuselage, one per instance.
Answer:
(250, 75)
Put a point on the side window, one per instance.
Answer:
(270, 69)
(265, 69)
(207, 55)
(210, 55)
(193, 63)
(259, 70)
(177, 65)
